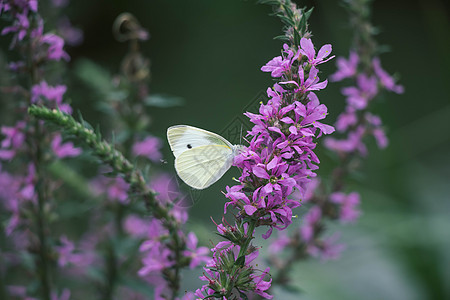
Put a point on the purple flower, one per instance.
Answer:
(277, 66)
(310, 84)
(116, 189)
(380, 138)
(159, 285)
(155, 260)
(20, 26)
(149, 147)
(327, 249)
(348, 204)
(167, 190)
(72, 36)
(17, 66)
(311, 219)
(277, 165)
(54, 94)
(155, 231)
(224, 256)
(55, 45)
(346, 119)
(386, 80)
(277, 245)
(261, 286)
(281, 64)
(307, 49)
(67, 255)
(197, 255)
(353, 143)
(359, 97)
(346, 68)
(64, 150)
(136, 226)
(13, 140)
(377, 130)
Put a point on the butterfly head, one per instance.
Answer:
(238, 149)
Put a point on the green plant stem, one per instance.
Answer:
(250, 231)
(40, 185)
(138, 187)
(43, 262)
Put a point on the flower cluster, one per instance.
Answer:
(280, 158)
(276, 166)
(356, 121)
(157, 255)
(26, 146)
(231, 270)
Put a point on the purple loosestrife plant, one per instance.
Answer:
(278, 163)
(29, 193)
(161, 259)
(355, 124)
(146, 251)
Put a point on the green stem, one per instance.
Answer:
(109, 155)
(250, 231)
(40, 218)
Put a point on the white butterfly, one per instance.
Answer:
(201, 157)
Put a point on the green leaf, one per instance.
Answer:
(94, 76)
(160, 100)
(240, 262)
(287, 21)
(215, 295)
(296, 37)
(289, 12)
(302, 25)
(308, 13)
(281, 37)
(77, 184)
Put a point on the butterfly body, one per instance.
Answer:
(201, 157)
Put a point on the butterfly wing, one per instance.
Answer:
(183, 137)
(201, 166)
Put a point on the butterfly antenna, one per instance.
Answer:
(240, 138)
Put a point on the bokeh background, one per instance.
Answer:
(210, 52)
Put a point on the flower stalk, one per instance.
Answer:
(357, 123)
(279, 161)
(138, 186)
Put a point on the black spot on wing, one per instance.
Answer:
(189, 146)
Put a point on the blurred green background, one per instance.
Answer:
(210, 54)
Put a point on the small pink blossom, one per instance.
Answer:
(55, 45)
(386, 80)
(197, 255)
(63, 150)
(348, 206)
(346, 68)
(149, 147)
